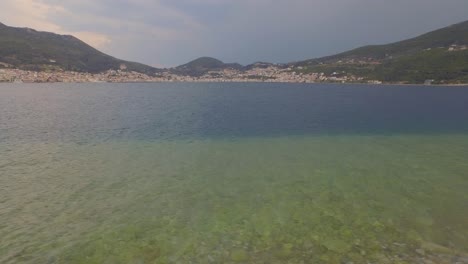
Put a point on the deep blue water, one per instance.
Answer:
(89, 112)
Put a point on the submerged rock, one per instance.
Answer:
(421, 251)
(239, 255)
(336, 245)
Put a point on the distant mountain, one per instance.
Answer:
(203, 65)
(441, 55)
(263, 65)
(29, 49)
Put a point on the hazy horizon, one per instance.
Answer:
(169, 33)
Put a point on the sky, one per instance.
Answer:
(165, 33)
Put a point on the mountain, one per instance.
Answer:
(263, 65)
(441, 55)
(203, 65)
(26, 48)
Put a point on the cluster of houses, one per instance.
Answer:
(268, 74)
(457, 47)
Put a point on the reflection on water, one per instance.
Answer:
(303, 199)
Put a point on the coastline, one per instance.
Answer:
(268, 75)
(251, 81)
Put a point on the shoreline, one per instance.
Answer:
(268, 75)
(246, 81)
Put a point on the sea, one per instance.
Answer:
(233, 173)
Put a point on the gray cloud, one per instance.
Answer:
(168, 32)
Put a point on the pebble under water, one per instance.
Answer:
(233, 173)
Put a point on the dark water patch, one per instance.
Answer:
(99, 112)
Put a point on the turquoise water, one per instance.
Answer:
(205, 173)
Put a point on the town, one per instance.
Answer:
(264, 74)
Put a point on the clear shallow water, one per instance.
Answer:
(233, 173)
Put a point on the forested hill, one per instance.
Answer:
(26, 48)
(441, 55)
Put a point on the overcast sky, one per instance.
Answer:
(173, 32)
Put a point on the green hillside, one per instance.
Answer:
(29, 49)
(203, 65)
(440, 55)
(453, 35)
(438, 65)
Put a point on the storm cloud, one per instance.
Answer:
(172, 32)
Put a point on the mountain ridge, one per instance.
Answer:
(456, 34)
(440, 55)
(29, 49)
(204, 65)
